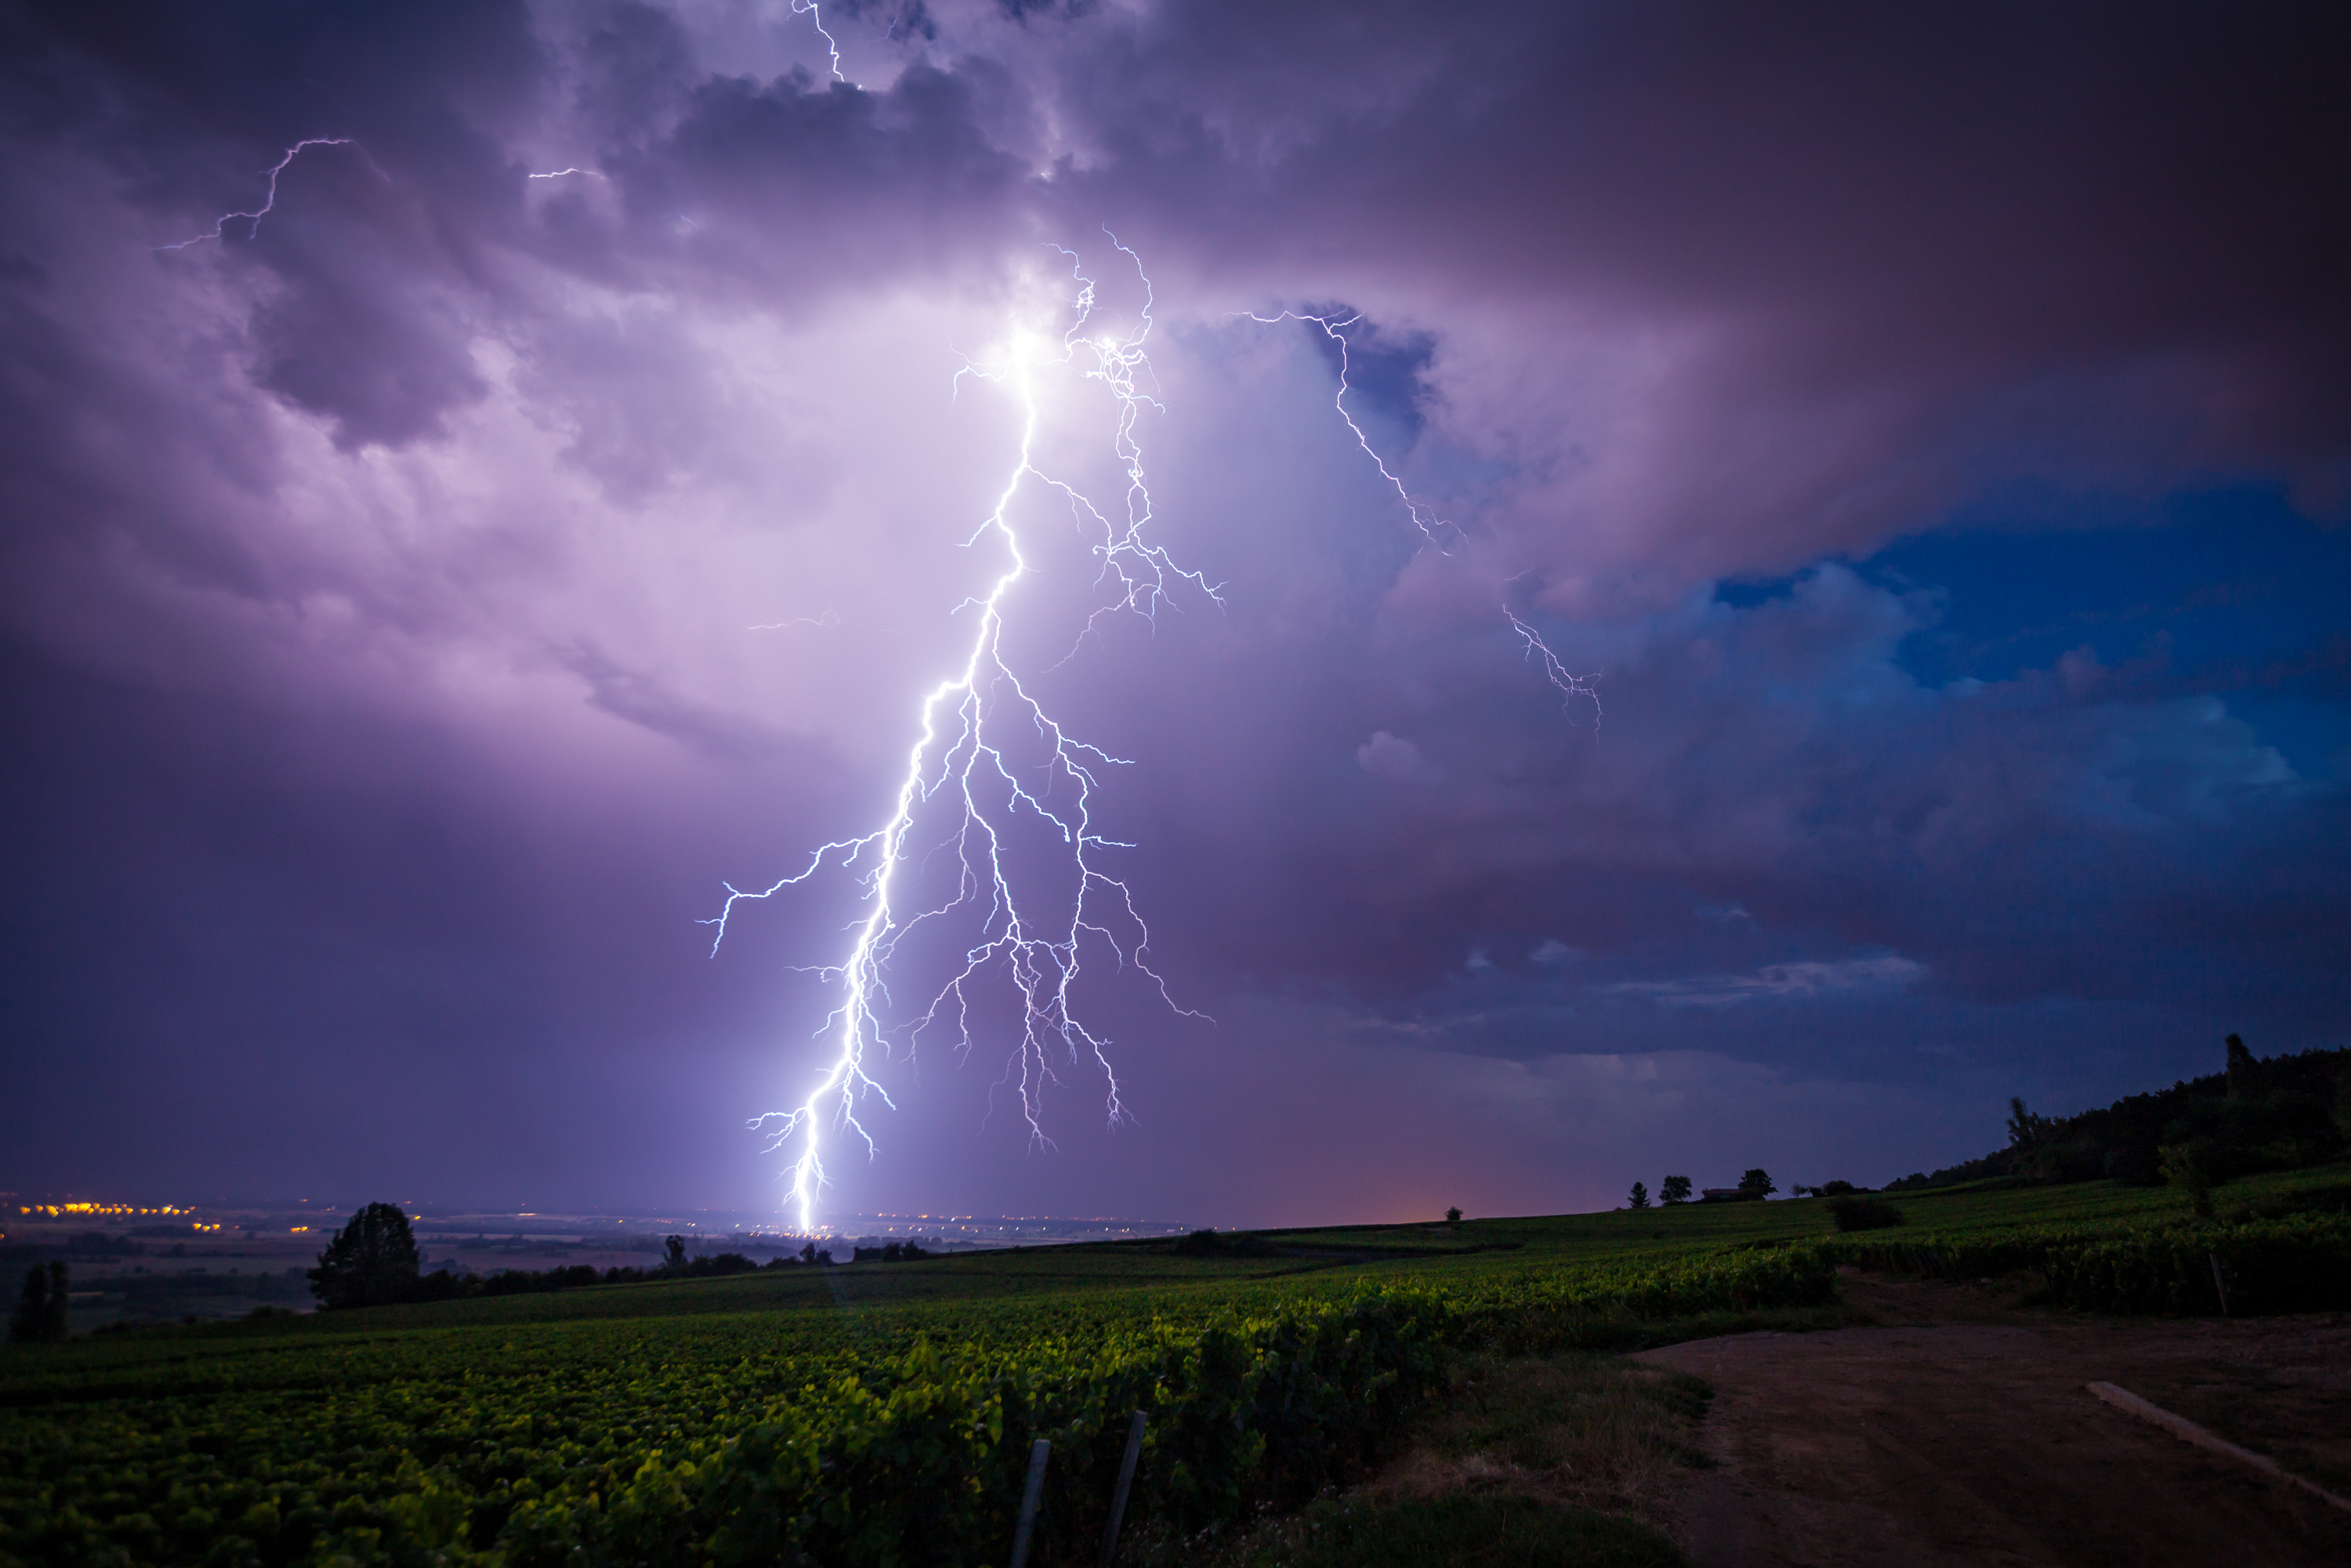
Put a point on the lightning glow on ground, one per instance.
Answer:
(990, 768)
(1440, 534)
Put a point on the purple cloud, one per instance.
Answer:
(382, 583)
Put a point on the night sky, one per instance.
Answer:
(1930, 427)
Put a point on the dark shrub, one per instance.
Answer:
(1218, 1244)
(1863, 1214)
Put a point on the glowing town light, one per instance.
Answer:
(959, 759)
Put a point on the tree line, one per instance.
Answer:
(2258, 1114)
(1753, 1187)
(375, 1261)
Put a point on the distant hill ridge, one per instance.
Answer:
(2281, 1113)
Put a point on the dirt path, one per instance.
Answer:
(1959, 1433)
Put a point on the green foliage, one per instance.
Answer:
(763, 1436)
(2299, 1263)
(372, 1262)
(2188, 1167)
(866, 1414)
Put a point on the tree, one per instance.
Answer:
(372, 1262)
(40, 1314)
(2188, 1167)
(2241, 1067)
(1640, 1198)
(1452, 1217)
(674, 1253)
(2025, 1130)
(1757, 1184)
(1674, 1189)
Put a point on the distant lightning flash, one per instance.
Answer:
(1434, 528)
(967, 724)
(269, 201)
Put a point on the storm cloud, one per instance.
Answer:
(1928, 433)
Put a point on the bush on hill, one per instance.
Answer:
(1863, 1214)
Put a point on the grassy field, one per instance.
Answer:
(452, 1432)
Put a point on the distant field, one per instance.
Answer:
(293, 1434)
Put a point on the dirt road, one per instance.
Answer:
(1960, 1433)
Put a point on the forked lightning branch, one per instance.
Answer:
(990, 768)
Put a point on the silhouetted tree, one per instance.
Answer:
(1757, 1184)
(2241, 1067)
(372, 1262)
(2188, 1167)
(808, 1253)
(1640, 1198)
(40, 1311)
(2025, 1130)
(1452, 1217)
(674, 1253)
(1674, 1189)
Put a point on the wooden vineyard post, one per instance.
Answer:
(1029, 1495)
(1125, 1480)
(2217, 1283)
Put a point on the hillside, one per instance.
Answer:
(2283, 1113)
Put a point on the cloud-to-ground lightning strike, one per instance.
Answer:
(1434, 528)
(967, 724)
(269, 201)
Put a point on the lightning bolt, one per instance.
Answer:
(269, 201)
(988, 756)
(811, 10)
(1435, 528)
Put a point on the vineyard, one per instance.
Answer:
(885, 1416)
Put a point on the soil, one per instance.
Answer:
(1958, 1431)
